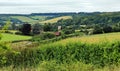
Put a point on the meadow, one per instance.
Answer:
(12, 37)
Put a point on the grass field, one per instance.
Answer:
(13, 37)
(99, 38)
(40, 18)
(54, 20)
(25, 19)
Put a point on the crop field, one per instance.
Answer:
(54, 20)
(13, 37)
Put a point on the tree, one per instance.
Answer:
(97, 29)
(47, 27)
(7, 25)
(36, 28)
(107, 29)
(26, 29)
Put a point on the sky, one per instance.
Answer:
(51, 6)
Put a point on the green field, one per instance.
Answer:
(54, 20)
(13, 37)
(99, 38)
(40, 18)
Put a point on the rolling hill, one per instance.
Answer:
(25, 19)
(54, 20)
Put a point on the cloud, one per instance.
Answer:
(29, 6)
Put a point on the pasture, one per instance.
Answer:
(13, 37)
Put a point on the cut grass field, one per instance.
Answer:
(13, 37)
(54, 20)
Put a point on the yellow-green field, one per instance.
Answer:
(54, 20)
(13, 37)
(25, 19)
(40, 19)
(99, 38)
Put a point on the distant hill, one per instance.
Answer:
(31, 18)
(24, 19)
(54, 20)
(47, 17)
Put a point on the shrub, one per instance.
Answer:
(69, 31)
(36, 28)
(18, 33)
(43, 36)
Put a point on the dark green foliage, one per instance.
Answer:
(100, 22)
(47, 36)
(97, 29)
(69, 31)
(43, 36)
(36, 28)
(26, 29)
(18, 33)
(47, 27)
(107, 29)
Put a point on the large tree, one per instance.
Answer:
(26, 29)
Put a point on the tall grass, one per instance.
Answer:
(98, 55)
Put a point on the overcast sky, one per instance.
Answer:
(40, 6)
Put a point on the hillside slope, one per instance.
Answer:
(25, 19)
(54, 20)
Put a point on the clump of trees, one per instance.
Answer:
(37, 29)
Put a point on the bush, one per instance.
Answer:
(97, 29)
(18, 33)
(107, 29)
(36, 28)
(43, 36)
(69, 31)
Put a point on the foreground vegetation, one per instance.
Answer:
(66, 45)
(72, 55)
